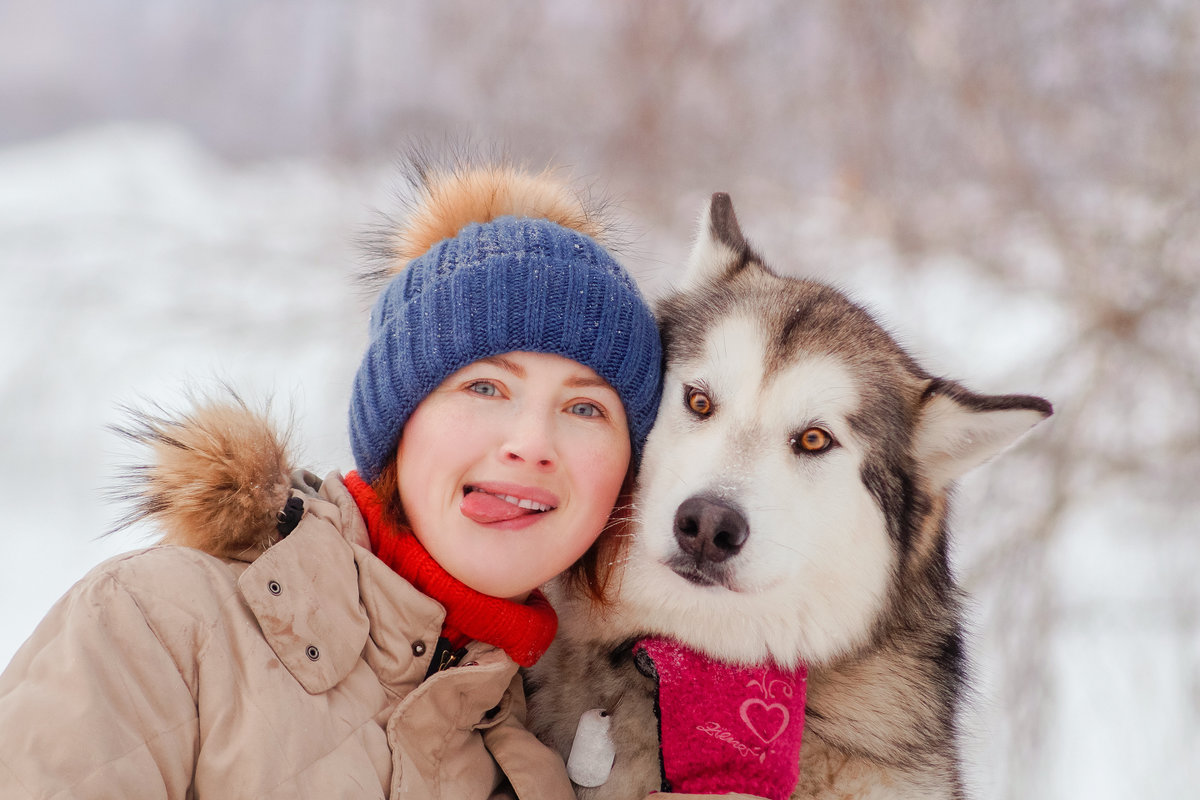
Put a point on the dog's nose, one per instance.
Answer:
(709, 530)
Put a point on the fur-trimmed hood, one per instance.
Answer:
(216, 477)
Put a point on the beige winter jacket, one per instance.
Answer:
(280, 668)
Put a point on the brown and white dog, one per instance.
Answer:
(792, 506)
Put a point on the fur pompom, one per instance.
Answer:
(217, 479)
(452, 191)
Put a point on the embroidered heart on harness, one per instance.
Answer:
(768, 718)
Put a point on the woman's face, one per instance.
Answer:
(509, 470)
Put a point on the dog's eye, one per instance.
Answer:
(812, 441)
(698, 401)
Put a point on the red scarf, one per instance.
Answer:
(522, 631)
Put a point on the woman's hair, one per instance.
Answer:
(597, 570)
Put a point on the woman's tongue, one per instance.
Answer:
(480, 506)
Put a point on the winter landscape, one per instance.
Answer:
(1012, 191)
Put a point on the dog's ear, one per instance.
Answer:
(720, 248)
(958, 430)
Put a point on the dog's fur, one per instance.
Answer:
(844, 565)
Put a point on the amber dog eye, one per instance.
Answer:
(812, 441)
(698, 401)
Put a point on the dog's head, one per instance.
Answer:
(797, 474)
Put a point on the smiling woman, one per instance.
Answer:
(303, 636)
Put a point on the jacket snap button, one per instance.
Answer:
(312, 652)
(418, 649)
(274, 588)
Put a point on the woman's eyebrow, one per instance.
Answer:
(586, 381)
(574, 382)
(505, 364)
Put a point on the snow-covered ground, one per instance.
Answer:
(135, 266)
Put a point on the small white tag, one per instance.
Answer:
(592, 752)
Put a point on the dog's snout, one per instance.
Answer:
(709, 530)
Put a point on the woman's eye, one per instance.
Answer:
(586, 410)
(486, 388)
(812, 441)
(698, 401)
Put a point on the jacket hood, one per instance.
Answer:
(216, 477)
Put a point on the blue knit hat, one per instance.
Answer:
(512, 284)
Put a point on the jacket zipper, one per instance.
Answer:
(444, 657)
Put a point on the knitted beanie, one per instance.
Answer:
(509, 284)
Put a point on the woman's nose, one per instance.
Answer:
(530, 441)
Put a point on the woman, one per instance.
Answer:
(360, 636)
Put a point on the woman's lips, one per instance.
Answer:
(498, 502)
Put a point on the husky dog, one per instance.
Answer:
(792, 506)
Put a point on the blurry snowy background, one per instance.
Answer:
(1014, 187)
